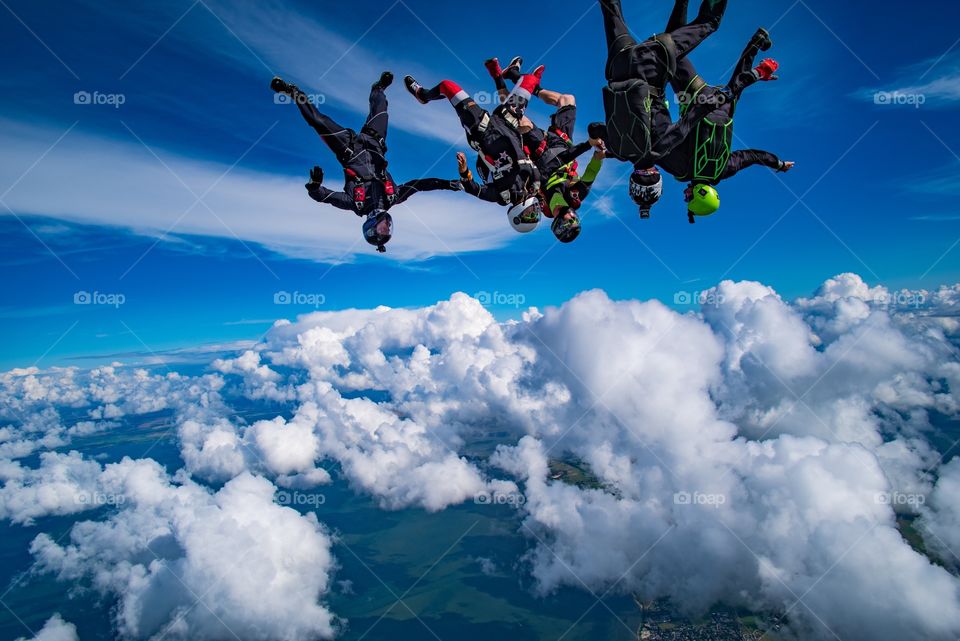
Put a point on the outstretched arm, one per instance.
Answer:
(338, 199)
(740, 160)
(594, 166)
(412, 187)
(574, 152)
(483, 192)
(321, 194)
(471, 186)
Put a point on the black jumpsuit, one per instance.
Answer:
(638, 123)
(705, 156)
(363, 158)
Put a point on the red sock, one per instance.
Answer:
(453, 92)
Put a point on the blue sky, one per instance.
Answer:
(187, 199)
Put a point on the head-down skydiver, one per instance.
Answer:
(554, 152)
(369, 190)
(638, 128)
(512, 178)
(706, 157)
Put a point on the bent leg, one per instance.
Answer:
(378, 120)
(687, 38)
(619, 38)
(679, 16)
(683, 81)
(743, 75)
(686, 82)
(468, 111)
(338, 138)
(519, 98)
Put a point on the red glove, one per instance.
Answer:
(766, 69)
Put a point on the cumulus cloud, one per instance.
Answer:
(758, 452)
(750, 454)
(187, 563)
(55, 629)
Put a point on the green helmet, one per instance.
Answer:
(704, 200)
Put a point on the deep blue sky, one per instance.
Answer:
(877, 182)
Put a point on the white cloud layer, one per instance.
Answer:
(758, 452)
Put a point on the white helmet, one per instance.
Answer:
(525, 217)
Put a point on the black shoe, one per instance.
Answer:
(280, 86)
(415, 89)
(761, 40)
(386, 79)
(513, 71)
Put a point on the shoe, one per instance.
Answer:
(513, 70)
(386, 79)
(280, 86)
(761, 40)
(415, 89)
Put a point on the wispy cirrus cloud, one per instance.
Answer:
(934, 82)
(100, 181)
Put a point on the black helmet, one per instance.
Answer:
(378, 229)
(646, 187)
(566, 227)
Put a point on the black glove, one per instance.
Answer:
(597, 130)
(316, 175)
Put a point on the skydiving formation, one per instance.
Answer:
(533, 172)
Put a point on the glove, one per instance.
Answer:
(767, 69)
(597, 130)
(316, 176)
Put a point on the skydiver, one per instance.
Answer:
(554, 153)
(512, 178)
(369, 190)
(705, 157)
(638, 128)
